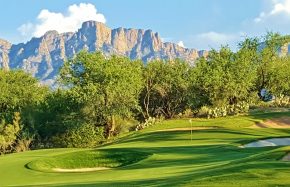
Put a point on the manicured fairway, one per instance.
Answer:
(212, 158)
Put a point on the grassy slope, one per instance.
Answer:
(88, 159)
(211, 159)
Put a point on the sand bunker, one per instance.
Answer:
(80, 169)
(283, 122)
(269, 143)
(286, 157)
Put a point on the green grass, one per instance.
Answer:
(88, 159)
(212, 158)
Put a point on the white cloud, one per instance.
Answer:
(181, 44)
(282, 6)
(62, 22)
(277, 9)
(275, 17)
(26, 28)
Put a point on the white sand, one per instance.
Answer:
(279, 123)
(269, 142)
(80, 169)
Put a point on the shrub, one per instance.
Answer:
(151, 121)
(217, 112)
(281, 101)
(124, 125)
(24, 141)
(239, 108)
(9, 134)
(188, 113)
(82, 136)
(203, 112)
(230, 110)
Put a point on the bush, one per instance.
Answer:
(82, 136)
(124, 125)
(203, 112)
(240, 108)
(218, 112)
(148, 123)
(24, 141)
(230, 110)
(9, 134)
(281, 101)
(276, 104)
(188, 113)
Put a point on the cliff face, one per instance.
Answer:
(4, 54)
(134, 43)
(285, 49)
(43, 57)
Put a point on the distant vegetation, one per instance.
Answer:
(102, 97)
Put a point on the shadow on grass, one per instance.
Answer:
(269, 115)
(201, 165)
(200, 135)
(204, 164)
(256, 171)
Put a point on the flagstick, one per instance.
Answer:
(190, 129)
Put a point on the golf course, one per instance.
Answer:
(145, 93)
(205, 152)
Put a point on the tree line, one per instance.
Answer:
(101, 97)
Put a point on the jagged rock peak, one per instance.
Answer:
(44, 56)
(52, 33)
(88, 24)
(4, 44)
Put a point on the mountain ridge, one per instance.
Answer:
(43, 56)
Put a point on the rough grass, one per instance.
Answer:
(212, 158)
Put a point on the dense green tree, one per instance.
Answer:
(224, 77)
(20, 94)
(166, 88)
(227, 78)
(279, 80)
(9, 133)
(106, 87)
(267, 56)
(19, 91)
(58, 113)
(102, 95)
(272, 69)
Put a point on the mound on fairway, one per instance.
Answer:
(279, 123)
(85, 161)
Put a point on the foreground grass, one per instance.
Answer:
(212, 158)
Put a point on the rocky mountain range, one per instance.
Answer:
(44, 56)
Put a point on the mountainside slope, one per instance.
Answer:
(42, 57)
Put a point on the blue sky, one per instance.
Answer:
(200, 24)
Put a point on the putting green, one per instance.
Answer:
(212, 158)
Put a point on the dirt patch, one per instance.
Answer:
(80, 169)
(278, 123)
(186, 129)
(286, 157)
